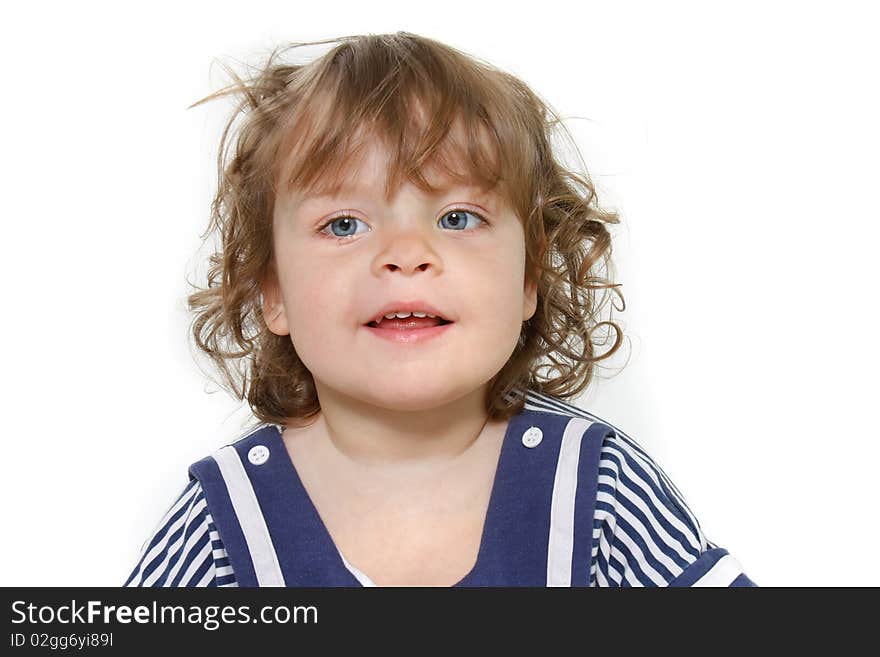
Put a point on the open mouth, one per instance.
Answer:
(409, 323)
(409, 330)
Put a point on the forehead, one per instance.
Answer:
(365, 176)
(366, 190)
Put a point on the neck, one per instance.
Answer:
(374, 438)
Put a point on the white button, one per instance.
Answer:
(258, 455)
(532, 437)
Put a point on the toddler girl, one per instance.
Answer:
(400, 256)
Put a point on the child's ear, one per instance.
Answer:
(273, 305)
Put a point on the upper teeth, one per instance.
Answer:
(401, 315)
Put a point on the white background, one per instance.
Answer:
(739, 141)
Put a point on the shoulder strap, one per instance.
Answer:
(237, 514)
(574, 501)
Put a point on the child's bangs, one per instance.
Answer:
(431, 142)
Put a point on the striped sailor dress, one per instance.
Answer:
(575, 502)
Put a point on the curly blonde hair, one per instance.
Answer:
(300, 124)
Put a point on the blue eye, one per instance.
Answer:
(346, 223)
(459, 217)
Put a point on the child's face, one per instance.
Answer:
(332, 281)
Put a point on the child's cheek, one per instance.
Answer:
(322, 305)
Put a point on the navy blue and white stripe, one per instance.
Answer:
(185, 550)
(644, 533)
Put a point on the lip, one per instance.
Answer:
(409, 336)
(408, 306)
